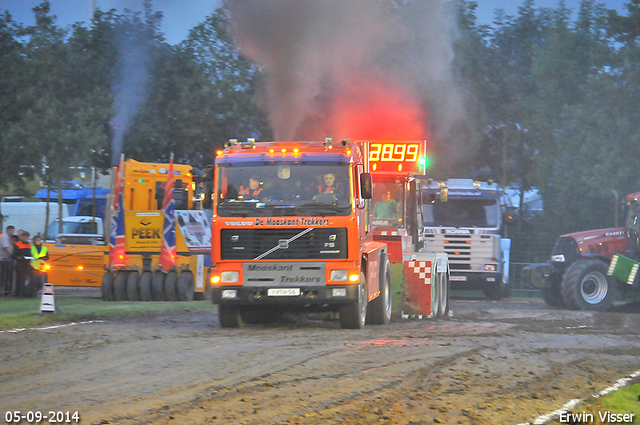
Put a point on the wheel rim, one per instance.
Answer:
(594, 288)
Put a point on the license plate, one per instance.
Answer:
(458, 278)
(283, 292)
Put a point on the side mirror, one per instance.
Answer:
(429, 198)
(366, 188)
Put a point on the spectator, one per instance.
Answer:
(39, 254)
(22, 255)
(6, 243)
(387, 207)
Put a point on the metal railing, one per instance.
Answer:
(7, 277)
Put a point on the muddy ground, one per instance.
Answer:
(493, 362)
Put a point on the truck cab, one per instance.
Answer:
(467, 227)
(293, 229)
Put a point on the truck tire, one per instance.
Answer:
(586, 286)
(170, 287)
(354, 315)
(552, 296)
(380, 308)
(157, 286)
(144, 286)
(120, 286)
(185, 287)
(132, 287)
(444, 294)
(107, 286)
(496, 290)
(230, 316)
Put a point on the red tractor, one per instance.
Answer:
(577, 276)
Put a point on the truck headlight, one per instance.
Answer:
(338, 275)
(229, 277)
(489, 267)
(558, 258)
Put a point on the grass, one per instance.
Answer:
(25, 312)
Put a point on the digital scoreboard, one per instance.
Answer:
(398, 157)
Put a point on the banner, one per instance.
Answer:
(168, 249)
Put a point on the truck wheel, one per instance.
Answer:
(157, 286)
(354, 316)
(132, 287)
(380, 308)
(552, 296)
(495, 291)
(586, 286)
(170, 287)
(120, 286)
(107, 286)
(144, 286)
(230, 316)
(185, 287)
(444, 295)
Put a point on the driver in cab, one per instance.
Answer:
(330, 186)
(252, 191)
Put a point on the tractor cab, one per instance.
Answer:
(633, 225)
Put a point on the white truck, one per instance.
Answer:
(29, 216)
(467, 227)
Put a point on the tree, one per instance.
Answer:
(63, 114)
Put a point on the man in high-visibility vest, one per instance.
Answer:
(40, 254)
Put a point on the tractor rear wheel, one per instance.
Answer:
(586, 286)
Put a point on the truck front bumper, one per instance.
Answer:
(316, 296)
(539, 276)
(465, 280)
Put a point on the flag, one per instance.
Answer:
(116, 241)
(168, 249)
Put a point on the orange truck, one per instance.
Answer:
(292, 225)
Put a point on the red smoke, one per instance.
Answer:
(368, 109)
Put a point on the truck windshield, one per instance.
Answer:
(84, 227)
(462, 213)
(284, 189)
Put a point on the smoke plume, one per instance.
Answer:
(364, 69)
(130, 89)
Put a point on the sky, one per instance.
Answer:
(182, 15)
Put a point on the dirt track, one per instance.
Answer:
(492, 363)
